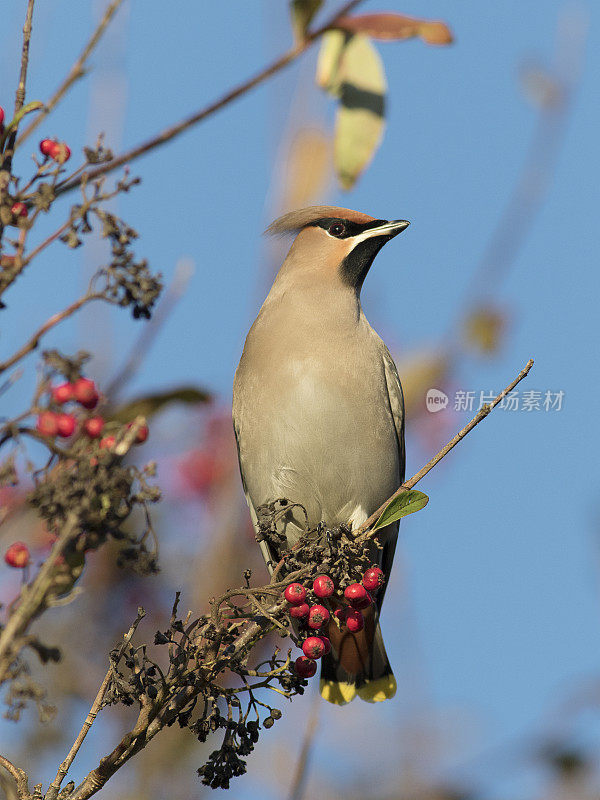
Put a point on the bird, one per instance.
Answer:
(318, 414)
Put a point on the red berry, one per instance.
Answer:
(1, 115)
(17, 555)
(326, 645)
(62, 393)
(47, 423)
(85, 392)
(305, 667)
(360, 605)
(354, 620)
(299, 612)
(93, 427)
(66, 425)
(47, 146)
(295, 594)
(19, 209)
(323, 586)
(313, 647)
(340, 614)
(60, 152)
(373, 579)
(142, 433)
(355, 593)
(108, 442)
(317, 617)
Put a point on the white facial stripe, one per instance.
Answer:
(389, 227)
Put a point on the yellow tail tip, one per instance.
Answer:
(337, 693)
(378, 690)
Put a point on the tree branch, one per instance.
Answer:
(48, 325)
(77, 70)
(199, 116)
(362, 532)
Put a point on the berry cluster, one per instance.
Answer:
(314, 618)
(57, 151)
(83, 392)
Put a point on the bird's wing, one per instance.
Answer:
(264, 547)
(396, 401)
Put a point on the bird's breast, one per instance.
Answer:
(314, 426)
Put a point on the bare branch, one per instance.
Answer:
(47, 326)
(19, 775)
(77, 70)
(481, 414)
(199, 116)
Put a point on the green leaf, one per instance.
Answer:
(35, 105)
(149, 405)
(302, 12)
(406, 503)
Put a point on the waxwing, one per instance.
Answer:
(318, 413)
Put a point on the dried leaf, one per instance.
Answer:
(397, 26)
(150, 404)
(420, 372)
(360, 117)
(306, 168)
(483, 330)
(302, 12)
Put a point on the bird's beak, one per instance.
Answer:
(387, 230)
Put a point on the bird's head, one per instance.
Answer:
(334, 243)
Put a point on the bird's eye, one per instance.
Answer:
(337, 229)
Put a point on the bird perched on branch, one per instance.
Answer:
(318, 412)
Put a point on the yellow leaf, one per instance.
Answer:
(360, 117)
(328, 63)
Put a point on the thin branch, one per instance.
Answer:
(77, 70)
(48, 325)
(362, 532)
(89, 720)
(175, 290)
(19, 775)
(32, 599)
(21, 87)
(199, 116)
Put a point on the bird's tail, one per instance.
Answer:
(373, 681)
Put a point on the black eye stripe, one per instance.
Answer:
(351, 228)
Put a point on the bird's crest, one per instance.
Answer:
(294, 221)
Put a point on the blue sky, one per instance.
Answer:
(500, 573)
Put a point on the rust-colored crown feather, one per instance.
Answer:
(294, 221)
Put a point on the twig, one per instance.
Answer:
(176, 289)
(362, 532)
(199, 116)
(534, 181)
(32, 598)
(48, 325)
(20, 94)
(89, 720)
(19, 775)
(77, 70)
